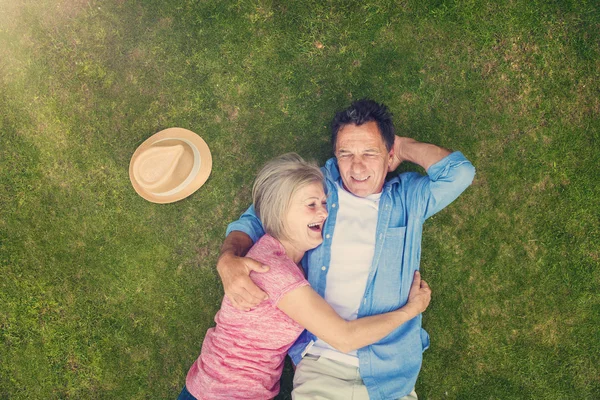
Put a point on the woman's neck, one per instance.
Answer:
(292, 252)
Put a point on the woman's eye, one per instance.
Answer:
(312, 205)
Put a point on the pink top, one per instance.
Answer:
(242, 357)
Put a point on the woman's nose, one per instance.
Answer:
(323, 212)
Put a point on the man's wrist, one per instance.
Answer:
(224, 257)
(227, 253)
(402, 144)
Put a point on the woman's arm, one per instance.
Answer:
(310, 310)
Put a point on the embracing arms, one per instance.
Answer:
(306, 307)
(310, 310)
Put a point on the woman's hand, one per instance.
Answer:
(310, 310)
(419, 296)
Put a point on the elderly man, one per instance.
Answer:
(371, 249)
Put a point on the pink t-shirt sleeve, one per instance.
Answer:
(283, 276)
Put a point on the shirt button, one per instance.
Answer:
(333, 205)
(323, 268)
(327, 236)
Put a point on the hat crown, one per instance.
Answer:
(156, 165)
(167, 166)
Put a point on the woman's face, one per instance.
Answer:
(306, 217)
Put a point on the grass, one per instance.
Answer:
(104, 295)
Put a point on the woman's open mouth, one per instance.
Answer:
(315, 227)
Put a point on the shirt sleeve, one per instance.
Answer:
(282, 277)
(249, 224)
(444, 182)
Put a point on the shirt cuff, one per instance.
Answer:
(441, 168)
(249, 227)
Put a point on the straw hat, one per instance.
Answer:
(170, 165)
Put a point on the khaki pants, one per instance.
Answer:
(319, 378)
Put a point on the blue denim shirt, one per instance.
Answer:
(389, 367)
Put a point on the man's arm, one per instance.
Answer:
(448, 175)
(423, 154)
(234, 269)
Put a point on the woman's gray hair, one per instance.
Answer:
(274, 187)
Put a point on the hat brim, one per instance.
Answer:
(195, 184)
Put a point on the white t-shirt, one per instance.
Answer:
(352, 251)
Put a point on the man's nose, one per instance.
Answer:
(357, 164)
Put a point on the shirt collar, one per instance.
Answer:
(333, 172)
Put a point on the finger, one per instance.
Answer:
(253, 299)
(424, 285)
(253, 265)
(237, 302)
(246, 304)
(252, 294)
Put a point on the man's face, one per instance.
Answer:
(362, 158)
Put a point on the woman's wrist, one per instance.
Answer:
(410, 311)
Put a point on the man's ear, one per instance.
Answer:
(391, 156)
(393, 161)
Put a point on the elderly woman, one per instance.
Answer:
(242, 356)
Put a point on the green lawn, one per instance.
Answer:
(106, 296)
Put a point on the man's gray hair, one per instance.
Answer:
(275, 186)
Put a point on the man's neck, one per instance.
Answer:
(345, 189)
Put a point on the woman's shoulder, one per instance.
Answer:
(268, 250)
(283, 271)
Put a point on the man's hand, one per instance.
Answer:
(235, 275)
(419, 295)
(396, 160)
